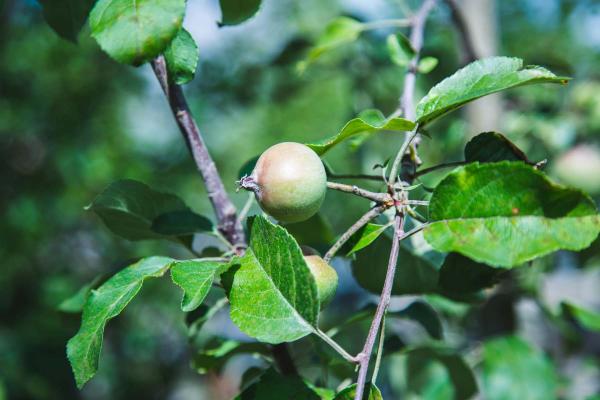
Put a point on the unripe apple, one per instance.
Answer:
(289, 182)
(325, 276)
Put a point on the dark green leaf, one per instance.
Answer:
(180, 223)
(460, 275)
(251, 376)
(273, 386)
(418, 311)
(461, 375)
(371, 393)
(67, 17)
(416, 273)
(493, 147)
(200, 315)
(512, 369)
(373, 121)
(247, 167)
(425, 315)
(216, 355)
(181, 57)
(314, 232)
(104, 303)
(134, 211)
(338, 32)
(507, 213)
(400, 49)
(135, 31)
(479, 79)
(587, 318)
(427, 64)
(272, 293)
(237, 11)
(195, 277)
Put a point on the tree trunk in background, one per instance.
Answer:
(480, 16)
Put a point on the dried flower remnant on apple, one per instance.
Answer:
(289, 182)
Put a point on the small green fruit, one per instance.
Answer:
(325, 276)
(289, 182)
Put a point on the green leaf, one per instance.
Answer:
(195, 277)
(427, 64)
(507, 213)
(479, 79)
(273, 386)
(588, 319)
(272, 293)
(493, 147)
(237, 11)
(365, 236)
(425, 379)
(135, 31)
(399, 49)
(371, 393)
(75, 303)
(340, 31)
(182, 58)
(372, 121)
(323, 393)
(507, 361)
(66, 17)
(216, 355)
(461, 375)
(104, 303)
(134, 211)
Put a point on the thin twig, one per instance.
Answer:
(400, 156)
(357, 176)
(425, 171)
(221, 203)
(458, 19)
(246, 208)
(335, 346)
(414, 230)
(228, 223)
(362, 221)
(365, 355)
(416, 40)
(373, 196)
(379, 350)
(407, 109)
(417, 202)
(387, 23)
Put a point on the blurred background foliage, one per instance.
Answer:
(72, 121)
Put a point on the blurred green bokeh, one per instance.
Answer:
(72, 121)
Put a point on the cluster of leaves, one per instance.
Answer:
(496, 212)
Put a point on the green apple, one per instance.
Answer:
(289, 182)
(325, 276)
